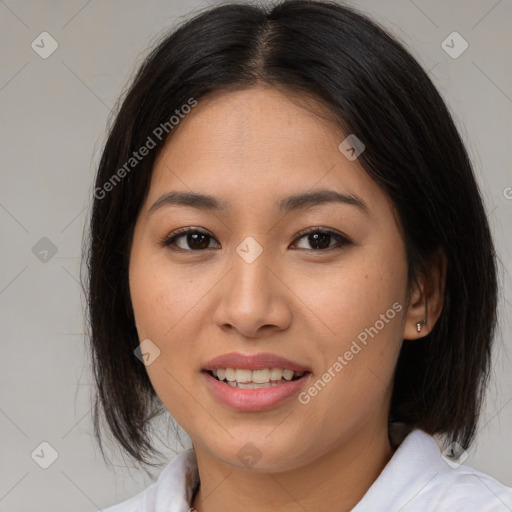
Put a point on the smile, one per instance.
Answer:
(255, 379)
(254, 396)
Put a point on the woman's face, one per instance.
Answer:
(250, 282)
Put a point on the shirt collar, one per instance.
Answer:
(415, 464)
(177, 483)
(418, 452)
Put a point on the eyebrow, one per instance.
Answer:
(285, 205)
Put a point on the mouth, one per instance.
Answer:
(245, 378)
(255, 390)
(254, 382)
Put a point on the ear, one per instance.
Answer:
(426, 298)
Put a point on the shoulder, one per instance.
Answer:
(170, 493)
(137, 503)
(418, 478)
(144, 501)
(466, 489)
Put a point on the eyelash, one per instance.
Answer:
(169, 241)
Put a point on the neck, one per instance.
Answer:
(335, 481)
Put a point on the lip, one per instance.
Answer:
(254, 362)
(254, 399)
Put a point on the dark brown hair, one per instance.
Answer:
(377, 91)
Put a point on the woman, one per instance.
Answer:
(289, 253)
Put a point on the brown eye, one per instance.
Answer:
(189, 240)
(195, 240)
(320, 240)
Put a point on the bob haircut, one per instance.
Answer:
(373, 88)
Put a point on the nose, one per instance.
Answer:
(252, 299)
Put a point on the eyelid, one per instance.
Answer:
(343, 239)
(168, 240)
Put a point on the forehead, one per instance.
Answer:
(256, 144)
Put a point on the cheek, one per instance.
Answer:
(351, 296)
(362, 304)
(164, 313)
(169, 302)
(147, 287)
(163, 295)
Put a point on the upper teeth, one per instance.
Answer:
(257, 376)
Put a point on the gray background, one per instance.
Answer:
(54, 113)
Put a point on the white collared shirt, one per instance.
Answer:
(416, 479)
